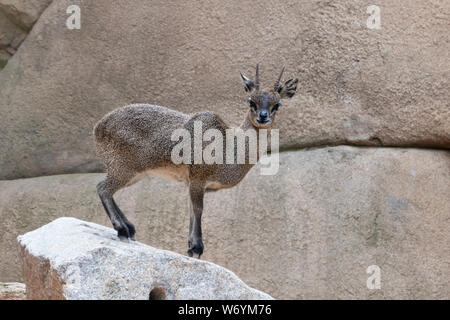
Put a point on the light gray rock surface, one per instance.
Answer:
(356, 85)
(12, 291)
(308, 232)
(73, 259)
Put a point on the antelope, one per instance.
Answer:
(135, 140)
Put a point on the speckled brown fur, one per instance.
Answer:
(135, 140)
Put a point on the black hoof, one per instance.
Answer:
(131, 230)
(195, 248)
(127, 231)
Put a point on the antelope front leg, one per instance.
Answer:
(195, 243)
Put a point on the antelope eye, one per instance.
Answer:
(252, 104)
(276, 106)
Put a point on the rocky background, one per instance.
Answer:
(364, 168)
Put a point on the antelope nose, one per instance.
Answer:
(263, 114)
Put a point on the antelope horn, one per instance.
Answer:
(277, 83)
(257, 77)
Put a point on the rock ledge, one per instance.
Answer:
(73, 259)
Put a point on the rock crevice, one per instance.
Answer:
(17, 17)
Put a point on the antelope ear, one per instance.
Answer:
(288, 89)
(248, 84)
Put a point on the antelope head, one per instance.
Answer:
(265, 102)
